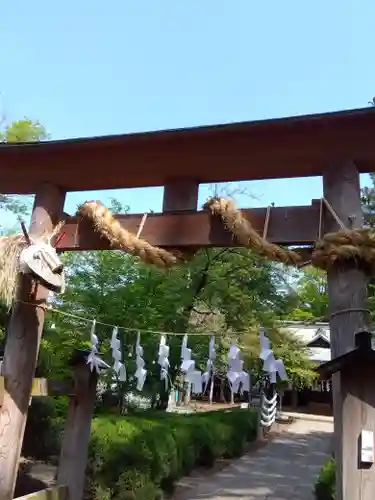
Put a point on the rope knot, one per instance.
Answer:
(344, 246)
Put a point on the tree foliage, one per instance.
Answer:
(223, 291)
(368, 203)
(310, 296)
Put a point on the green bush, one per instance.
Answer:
(45, 422)
(325, 485)
(41, 439)
(139, 457)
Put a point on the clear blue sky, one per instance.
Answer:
(87, 68)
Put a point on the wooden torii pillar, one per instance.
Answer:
(22, 345)
(354, 399)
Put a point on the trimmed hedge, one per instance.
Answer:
(326, 482)
(140, 457)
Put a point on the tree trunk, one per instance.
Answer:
(222, 397)
(231, 397)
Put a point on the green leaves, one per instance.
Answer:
(23, 131)
(224, 291)
(311, 296)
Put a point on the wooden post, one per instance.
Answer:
(180, 196)
(54, 493)
(74, 450)
(347, 293)
(22, 346)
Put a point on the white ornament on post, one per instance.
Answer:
(41, 260)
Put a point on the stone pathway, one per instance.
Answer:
(285, 469)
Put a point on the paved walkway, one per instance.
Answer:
(285, 469)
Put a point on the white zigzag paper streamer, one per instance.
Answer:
(237, 377)
(118, 365)
(271, 365)
(93, 360)
(188, 368)
(210, 363)
(141, 372)
(163, 360)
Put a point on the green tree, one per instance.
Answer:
(309, 300)
(310, 295)
(223, 291)
(368, 202)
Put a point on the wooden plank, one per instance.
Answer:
(45, 387)
(55, 493)
(180, 195)
(194, 229)
(288, 147)
(22, 346)
(74, 450)
(358, 404)
(347, 294)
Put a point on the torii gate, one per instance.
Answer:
(337, 146)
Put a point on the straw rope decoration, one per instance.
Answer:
(343, 246)
(119, 238)
(346, 245)
(246, 235)
(10, 251)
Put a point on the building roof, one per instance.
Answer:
(319, 354)
(309, 334)
(296, 146)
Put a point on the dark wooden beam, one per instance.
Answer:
(269, 149)
(192, 229)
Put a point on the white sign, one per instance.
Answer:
(367, 447)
